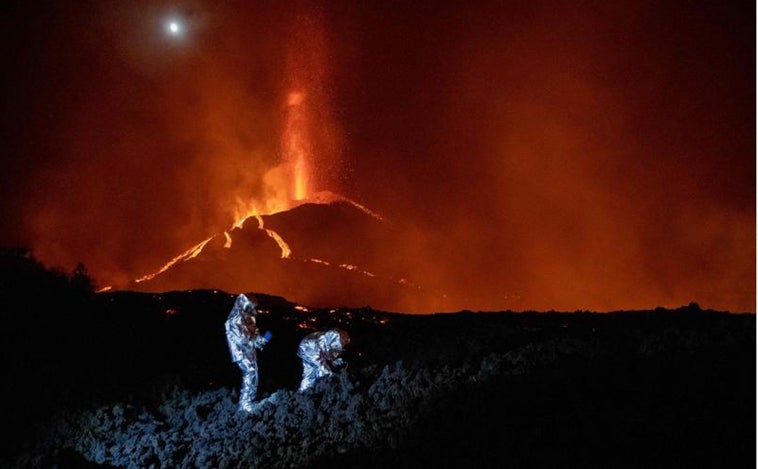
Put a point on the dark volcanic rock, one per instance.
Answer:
(671, 388)
(128, 379)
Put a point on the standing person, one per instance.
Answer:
(243, 338)
(320, 353)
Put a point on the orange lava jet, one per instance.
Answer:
(296, 146)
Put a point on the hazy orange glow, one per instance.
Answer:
(528, 155)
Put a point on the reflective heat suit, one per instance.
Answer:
(320, 354)
(243, 338)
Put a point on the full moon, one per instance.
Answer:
(174, 27)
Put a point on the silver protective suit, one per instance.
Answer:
(243, 338)
(320, 353)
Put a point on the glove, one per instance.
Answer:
(267, 335)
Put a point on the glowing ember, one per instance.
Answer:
(351, 267)
(228, 242)
(318, 261)
(355, 268)
(295, 99)
(405, 281)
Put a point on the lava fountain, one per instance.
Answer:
(296, 145)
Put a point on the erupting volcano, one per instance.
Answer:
(523, 156)
(319, 253)
(331, 232)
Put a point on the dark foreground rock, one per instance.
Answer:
(145, 380)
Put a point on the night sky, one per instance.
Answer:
(540, 155)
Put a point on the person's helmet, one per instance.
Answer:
(337, 339)
(245, 304)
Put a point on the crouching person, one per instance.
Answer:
(243, 339)
(320, 352)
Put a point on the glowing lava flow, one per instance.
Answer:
(194, 251)
(286, 251)
(354, 268)
(327, 197)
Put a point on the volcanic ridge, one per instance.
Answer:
(325, 251)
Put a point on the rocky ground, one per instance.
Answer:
(145, 380)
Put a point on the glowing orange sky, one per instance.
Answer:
(540, 155)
